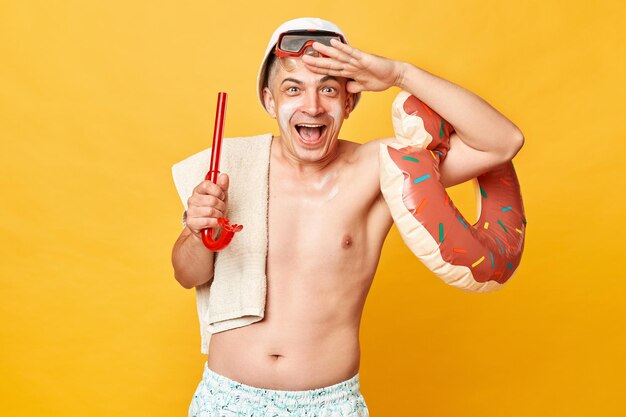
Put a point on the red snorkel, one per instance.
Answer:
(227, 230)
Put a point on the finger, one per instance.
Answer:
(326, 71)
(199, 223)
(347, 49)
(203, 212)
(354, 87)
(204, 200)
(207, 187)
(208, 201)
(347, 62)
(331, 52)
(223, 180)
(325, 66)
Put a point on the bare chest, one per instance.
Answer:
(325, 217)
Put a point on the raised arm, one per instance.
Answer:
(479, 258)
(484, 138)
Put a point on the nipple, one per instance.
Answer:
(346, 242)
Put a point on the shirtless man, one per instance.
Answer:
(327, 218)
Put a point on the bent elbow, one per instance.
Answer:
(192, 282)
(517, 141)
(183, 283)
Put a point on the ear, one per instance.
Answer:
(268, 100)
(350, 98)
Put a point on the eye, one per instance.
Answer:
(330, 91)
(292, 89)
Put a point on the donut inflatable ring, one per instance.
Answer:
(475, 258)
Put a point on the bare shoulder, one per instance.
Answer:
(365, 152)
(365, 157)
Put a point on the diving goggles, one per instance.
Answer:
(295, 43)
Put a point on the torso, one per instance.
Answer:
(325, 237)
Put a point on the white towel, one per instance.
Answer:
(236, 296)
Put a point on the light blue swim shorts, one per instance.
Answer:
(218, 396)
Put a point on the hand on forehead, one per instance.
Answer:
(298, 34)
(295, 69)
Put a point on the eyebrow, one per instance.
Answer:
(293, 80)
(321, 81)
(328, 78)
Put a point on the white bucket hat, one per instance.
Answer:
(301, 23)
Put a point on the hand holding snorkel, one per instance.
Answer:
(226, 231)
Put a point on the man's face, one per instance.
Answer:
(310, 109)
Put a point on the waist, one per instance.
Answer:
(327, 395)
(274, 357)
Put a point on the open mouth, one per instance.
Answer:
(310, 133)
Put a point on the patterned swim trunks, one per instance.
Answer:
(218, 396)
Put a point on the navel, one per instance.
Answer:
(346, 242)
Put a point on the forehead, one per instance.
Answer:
(301, 75)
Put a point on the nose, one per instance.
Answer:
(312, 103)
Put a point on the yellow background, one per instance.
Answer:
(99, 98)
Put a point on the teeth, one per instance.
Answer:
(306, 125)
